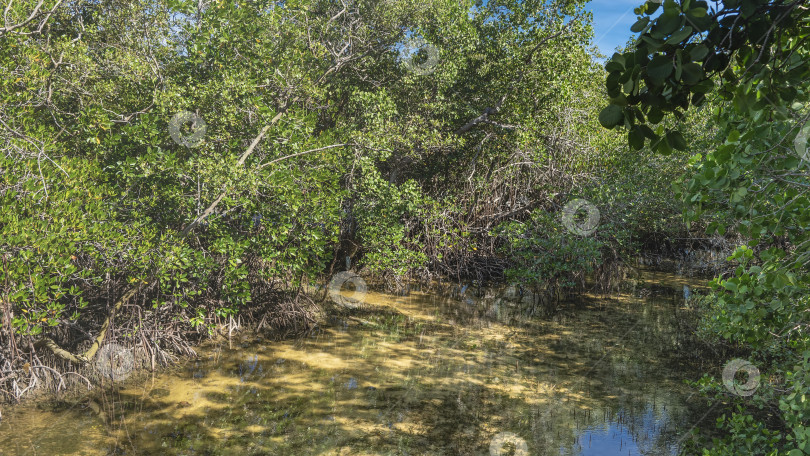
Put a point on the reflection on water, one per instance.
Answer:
(420, 374)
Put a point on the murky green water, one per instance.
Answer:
(422, 374)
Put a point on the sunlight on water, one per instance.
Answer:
(407, 375)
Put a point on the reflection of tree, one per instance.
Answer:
(646, 407)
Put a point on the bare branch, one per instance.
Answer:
(37, 13)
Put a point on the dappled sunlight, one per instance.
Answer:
(423, 374)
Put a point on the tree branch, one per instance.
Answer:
(303, 153)
(91, 352)
(36, 13)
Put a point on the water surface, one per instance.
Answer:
(423, 374)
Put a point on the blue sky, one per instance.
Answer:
(611, 23)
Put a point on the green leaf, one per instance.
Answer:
(659, 68)
(699, 52)
(698, 12)
(648, 132)
(692, 73)
(635, 137)
(640, 24)
(611, 116)
(655, 115)
(680, 35)
(749, 7)
(704, 86)
(652, 43)
(676, 140)
(671, 8)
(662, 147)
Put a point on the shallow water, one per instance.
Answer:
(423, 374)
